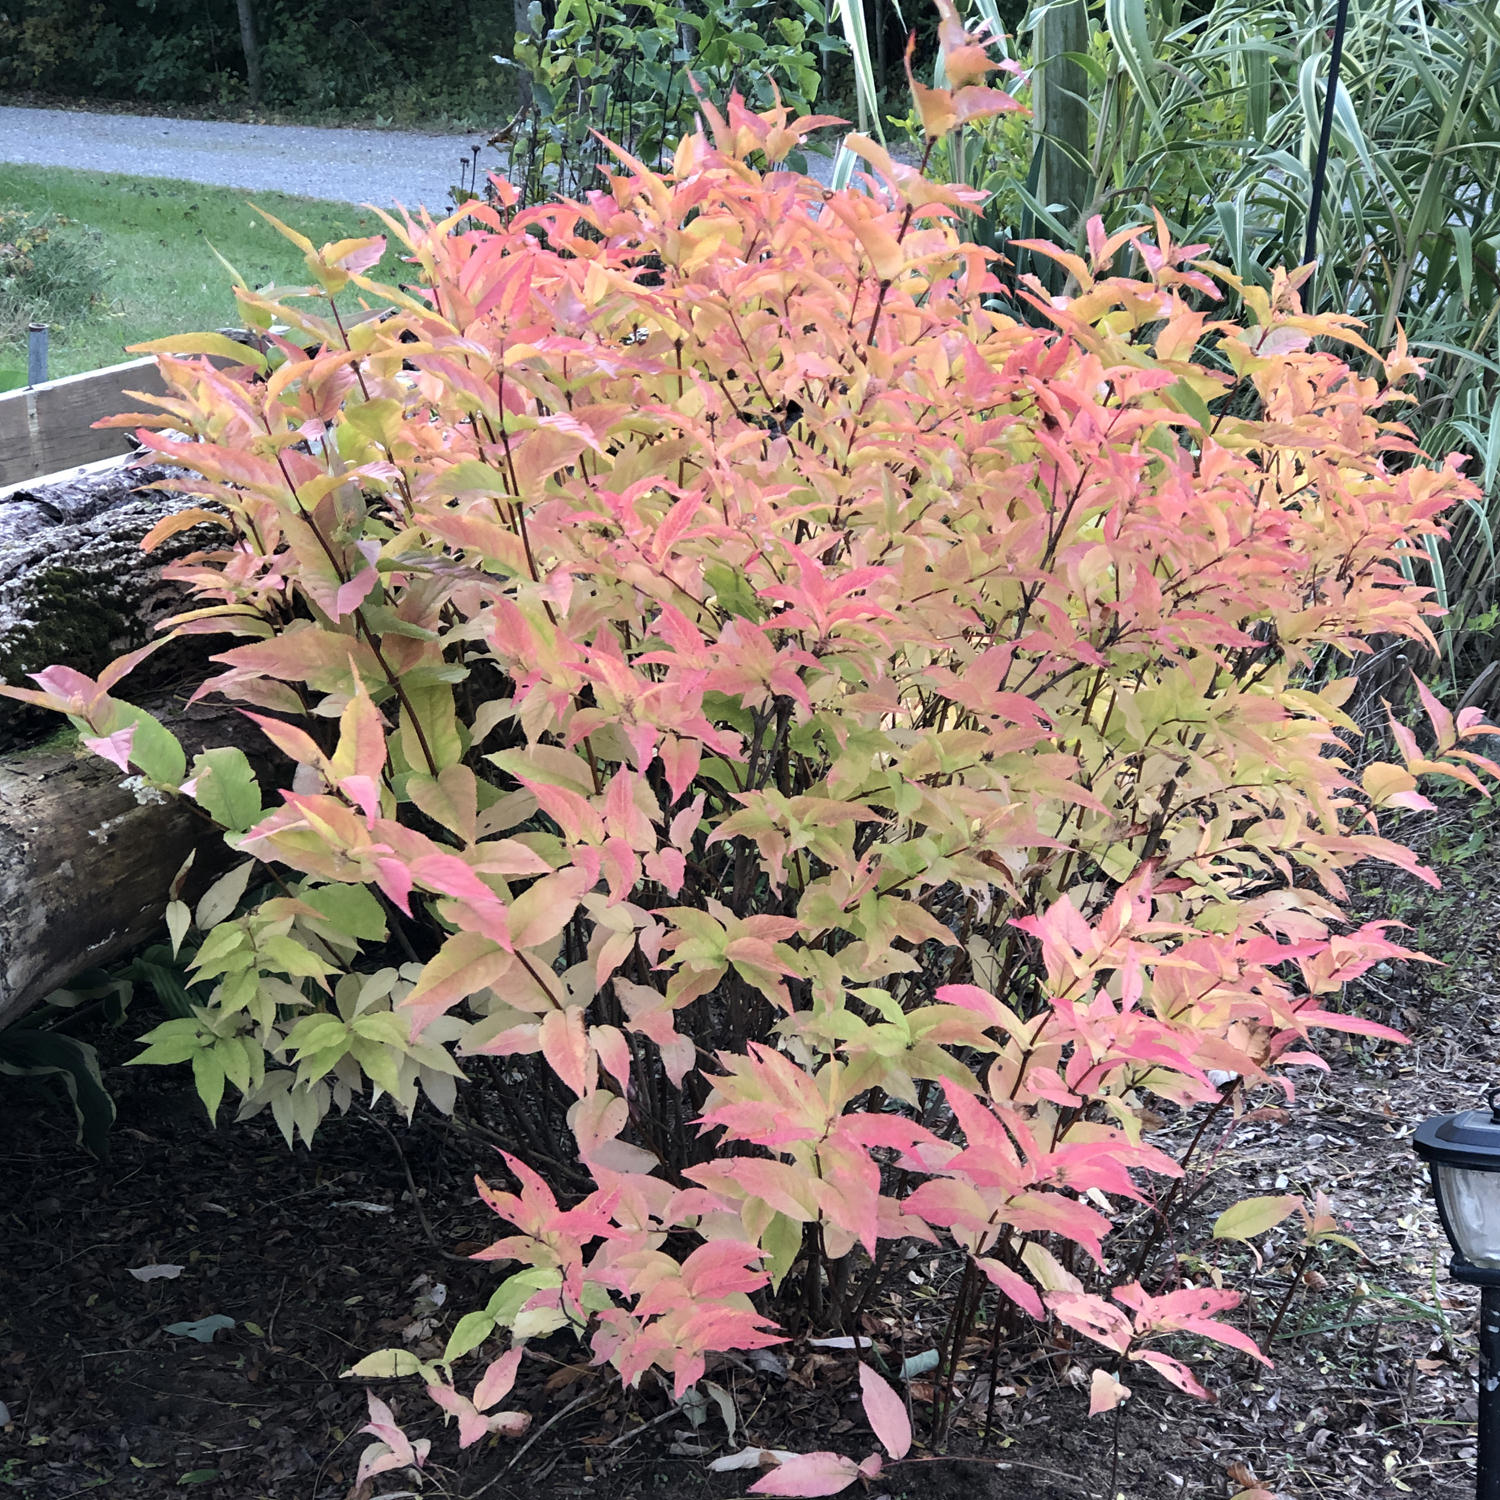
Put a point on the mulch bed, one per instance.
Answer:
(321, 1257)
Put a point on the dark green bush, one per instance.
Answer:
(390, 58)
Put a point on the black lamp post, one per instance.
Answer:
(1463, 1153)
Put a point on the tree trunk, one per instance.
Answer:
(85, 866)
(251, 49)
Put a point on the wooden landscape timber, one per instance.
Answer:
(48, 428)
(85, 865)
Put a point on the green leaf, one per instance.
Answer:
(291, 957)
(782, 1242)
(202, 343)
(1253, 1216)
(472, 1330)
(1190, 404)
(173, 1041)
(226, 788)
(220, 899)
(1131, 35)
(351, 910)
(208, 1078)
(379, 1063)
(179, 919)
(516, 1291)
(166, 984)
(155, 750)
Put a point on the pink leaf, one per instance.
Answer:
(466, 963)
(614, 1052)
(393, 1450)
(1173, 1370)
(364, 793)
(565, 1045)
(113, 747)
(509, 1424)
(287, 738)
(352, 594)
(496, 1382)
(471, 1426)
(79, 692)
(886, 1413)
(680, 759)
(364, 254)
(1017, 1288)
(1106, 1393)
(1442, 720)
(809, 1474)
(393, 877)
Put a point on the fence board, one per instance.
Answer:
(48, 427)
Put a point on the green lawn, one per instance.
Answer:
(163, 277)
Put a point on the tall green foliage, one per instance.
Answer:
(632, 73)
(1209, 115)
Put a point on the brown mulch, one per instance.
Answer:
(321, 1257)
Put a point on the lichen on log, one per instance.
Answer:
(75, 586)
(85, 862)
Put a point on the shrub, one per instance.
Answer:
(400, 58)
(51, 271)
(830, 752)
(633, 74)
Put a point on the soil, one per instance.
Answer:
(319, 1258)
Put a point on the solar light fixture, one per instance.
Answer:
(1462, 1152)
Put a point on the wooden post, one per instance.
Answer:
(1062, 119)
(36, 354)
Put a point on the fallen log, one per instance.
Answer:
(75, 586)
(84, 862)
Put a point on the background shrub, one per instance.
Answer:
(393, 58)
(51, 271)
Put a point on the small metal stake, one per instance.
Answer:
(36, 354)
(1487, 1483)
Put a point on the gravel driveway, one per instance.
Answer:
(351, 166)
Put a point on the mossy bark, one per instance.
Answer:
(85, 864)
(76, 588)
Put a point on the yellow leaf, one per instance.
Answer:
(936, 109)
(181, 520)
(882, 247)
(1253, 1216)
(219, 344)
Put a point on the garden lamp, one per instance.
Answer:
(1463, 1153)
